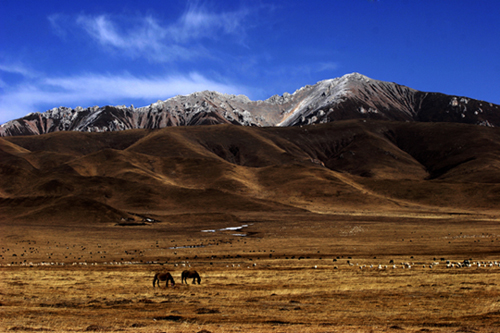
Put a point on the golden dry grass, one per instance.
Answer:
(302, 280)
(272, 296)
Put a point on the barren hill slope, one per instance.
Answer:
(347, 165)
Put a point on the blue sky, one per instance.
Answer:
(85, 53)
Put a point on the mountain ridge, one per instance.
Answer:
(352, 96)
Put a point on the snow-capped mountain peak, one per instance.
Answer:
(351, 96)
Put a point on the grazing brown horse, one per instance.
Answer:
(190, 274)
(163, 277)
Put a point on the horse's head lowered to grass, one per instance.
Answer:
(163, 277)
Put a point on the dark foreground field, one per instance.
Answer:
(278, 273)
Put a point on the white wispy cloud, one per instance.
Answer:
(89, 89)
(17, 68)
(327, 66)
(59, 24)
(198, 22)
(136, 37)
(147, 37)
(110, 87)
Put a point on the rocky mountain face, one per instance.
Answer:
(352, 96)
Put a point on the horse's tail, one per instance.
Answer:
(154, 279)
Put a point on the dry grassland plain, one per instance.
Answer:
(353, 272)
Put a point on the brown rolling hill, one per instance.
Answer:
(354, 165)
